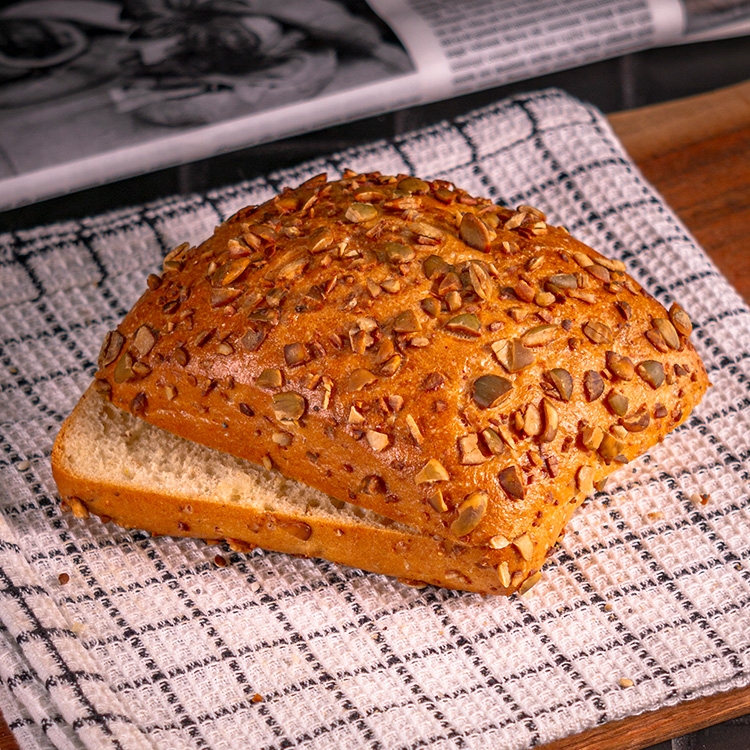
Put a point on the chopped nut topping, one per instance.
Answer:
(144, 340)
(470, 513)
(525, 546)
(359, 379)
(282, 439)
(591, 437)
(498, 542)
(355, 416)
(253, 338)
(468, 447)
(585, 480)
(391, 366)
(432, 471)
(503, 573)
(609, 448)
(437, 502)
(532, 421)
(124, 368)
(378, 441)
(414, 430)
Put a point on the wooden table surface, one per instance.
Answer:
(696, 152)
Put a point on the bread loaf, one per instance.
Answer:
(466, 370)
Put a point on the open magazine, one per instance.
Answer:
(92, 91)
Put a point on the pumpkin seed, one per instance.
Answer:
(551, 421)
(413, 185)
(295, 354)
(359, 379)
(597, 332)
(593, 385)
(620, 366)
(470, 514)
(493, 441)
(512, 354)
(431, 306)
(539, 335)
(406, 322)
(562, 381)
(288, 406)
(530, 582)
(637, 422)
(680, 319)
(474, 232)
(490, 390)
(466, 323)
(435, 266)
(360, 212)
(511, 483)
(667, 331)
(397, 253)
(111, 347)
(652, 372)
(618, 402)
(563, 281)
(270, 378)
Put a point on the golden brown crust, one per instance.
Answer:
(461, 367)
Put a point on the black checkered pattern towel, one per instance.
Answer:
(151, 644)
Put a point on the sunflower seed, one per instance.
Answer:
(551, 421)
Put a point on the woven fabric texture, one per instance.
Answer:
(151, 644)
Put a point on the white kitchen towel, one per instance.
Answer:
(111, 638)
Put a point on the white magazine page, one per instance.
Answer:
(148, 86)
(478, 44)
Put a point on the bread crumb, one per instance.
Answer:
(626, 682)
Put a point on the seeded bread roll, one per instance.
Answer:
(457, 366)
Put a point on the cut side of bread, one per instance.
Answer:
(109, 463)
